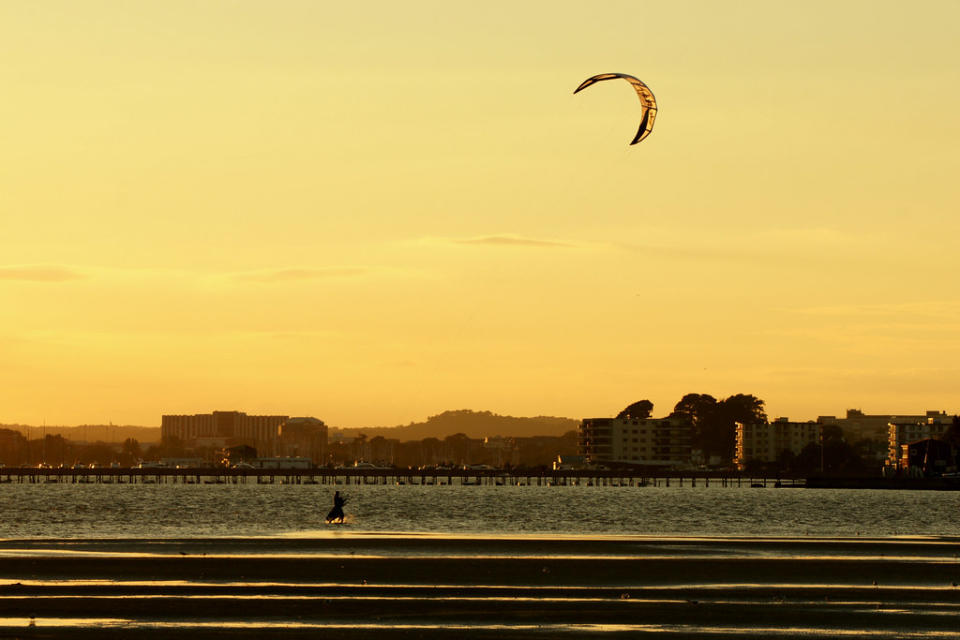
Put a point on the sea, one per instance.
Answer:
(57, 510)
(488, 561)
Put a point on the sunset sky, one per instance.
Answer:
(374, 212)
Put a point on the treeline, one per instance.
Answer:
(55, 450)
(89, 432)
(714, 421)
(714, 437)
(474, 424)
(455, 450)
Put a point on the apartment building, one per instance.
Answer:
(857, 425)
(303, 437)
(223, 428)
(901, 434)
(663, 442)
(766, 442)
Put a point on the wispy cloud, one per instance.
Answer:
(40, 273)
(766, 245)
(514, 241)
(296, 274)
(944, 309)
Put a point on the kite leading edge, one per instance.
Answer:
(643, 92)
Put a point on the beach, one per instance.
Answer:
(425, 586)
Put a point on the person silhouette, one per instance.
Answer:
(337, 512)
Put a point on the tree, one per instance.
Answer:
(714, 422)
(172, 447)
(695, 405)
(786, 460)
(721, 436)
(640, 410)
(97, 453)
(835, 454)
(743, 408)
(55, 450)
(130, 452)
(700, 410)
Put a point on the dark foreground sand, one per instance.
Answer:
(431, 587)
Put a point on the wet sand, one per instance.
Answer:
(430, 586)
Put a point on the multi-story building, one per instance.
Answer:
(901, 434)
(663, 442)
(223, 428)
(305, 437)
(766, 442)
(857, 425)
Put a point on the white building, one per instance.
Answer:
(766, 442)
(664, 442)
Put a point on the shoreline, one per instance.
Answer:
(427, 586)
(432, 543)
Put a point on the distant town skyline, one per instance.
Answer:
(375, 212)
(772, 416)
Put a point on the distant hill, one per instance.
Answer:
(90, 432)
(475, 424)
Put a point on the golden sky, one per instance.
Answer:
(373, 212)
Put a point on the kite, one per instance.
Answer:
(643, 92)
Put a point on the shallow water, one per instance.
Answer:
(191, 511)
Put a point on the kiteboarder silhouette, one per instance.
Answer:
(337, 512)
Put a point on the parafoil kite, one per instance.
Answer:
(643, 92)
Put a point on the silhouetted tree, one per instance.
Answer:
(744, 408)
(97, 453)
(786, 460)
(836, 455)
(55, 450)
(13, 447)
(714, 422)
(700, 409)
(130, 452)
(171, 447)
(721, 437)
(637, 411)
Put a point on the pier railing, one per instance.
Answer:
(324, 475)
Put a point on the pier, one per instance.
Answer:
(421, 477)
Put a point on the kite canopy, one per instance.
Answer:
(643, 92)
